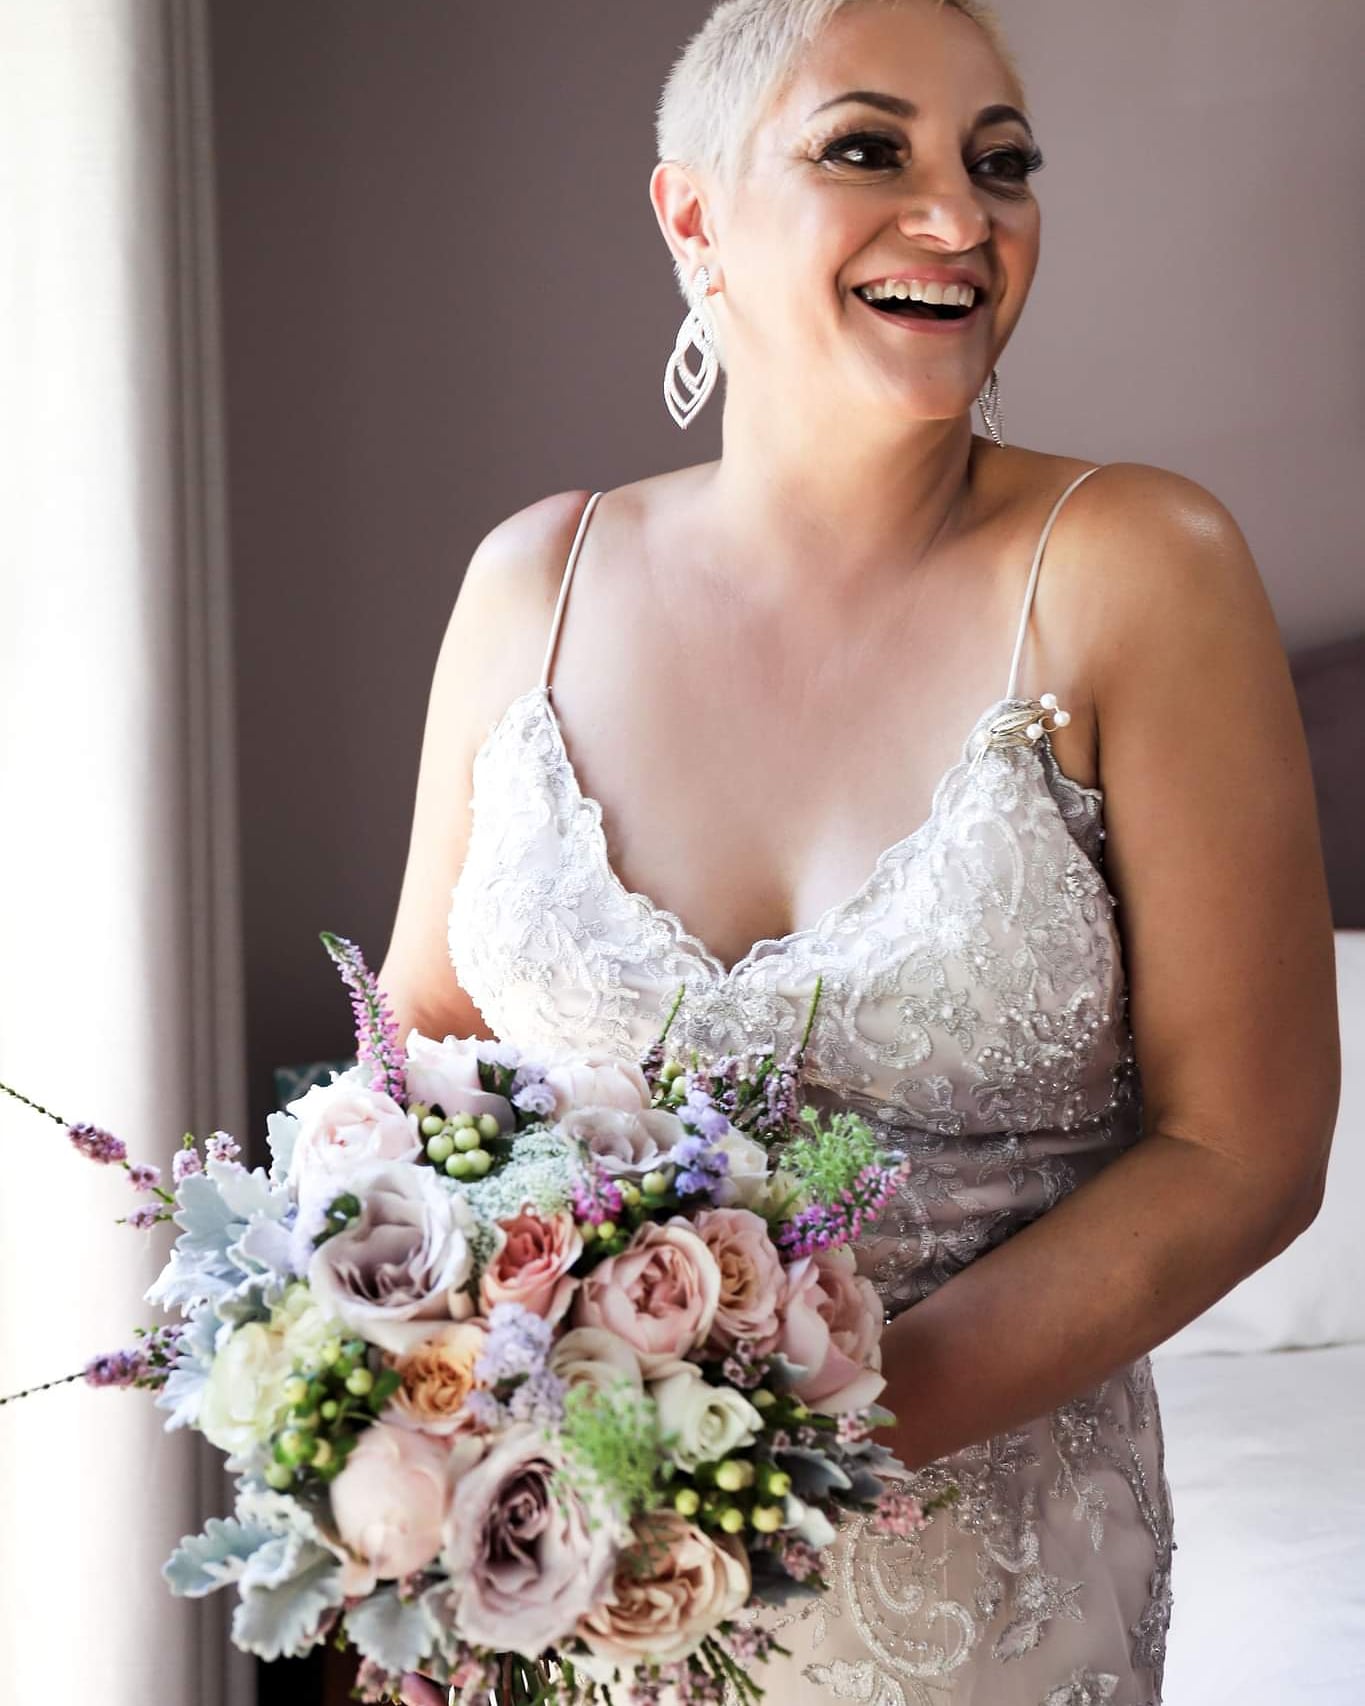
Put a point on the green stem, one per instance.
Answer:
(46, 1386)
(36, 1106)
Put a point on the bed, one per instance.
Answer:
(1263, 1397)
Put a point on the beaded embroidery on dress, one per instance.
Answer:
(974, 1010)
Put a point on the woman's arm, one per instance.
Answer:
(492, 650)
(1213, 854)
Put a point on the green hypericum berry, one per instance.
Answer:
(630, 1194)
(304, 1417)
(460, 1166)
(606, 1231)
(776, 1483)
(762, 1399)
(329, 1409)
(670, 1070)
(359, 1381)
(440, 1148)
(733, 1476)
(466, 1138)
(687, 1501)
(488, 1126)
(432, 1125)
(767, 1519)
(329, 1352)
(480, 1161)
(295, 1390)
(293, 1446)
(322, 1454)
(654, 1184)
(462, 1119)
(279, 1476)
(732, 1519)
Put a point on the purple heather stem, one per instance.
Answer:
(377, 1041)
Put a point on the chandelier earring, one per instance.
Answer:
(989, 400)
(686, 388)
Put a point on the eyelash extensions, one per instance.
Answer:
(1025, 161)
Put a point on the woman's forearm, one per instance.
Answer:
(1118, 1266)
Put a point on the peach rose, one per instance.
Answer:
(752, 1279)
(530, 1264)
(832, 1329)
(597, 1079)
(671, 1589)
(438, 1375)
(659, 1295)
(391, 1501)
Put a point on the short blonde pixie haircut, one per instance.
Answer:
(738, 61)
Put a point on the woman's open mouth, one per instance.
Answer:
(894, 301)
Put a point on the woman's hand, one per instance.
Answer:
(421, 1691)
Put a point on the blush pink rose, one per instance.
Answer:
(597, 1079)
(753, 1281)
(660, 1294)
(445, 1074)
(391, 1501)
(530, 1264)
(832, 1328)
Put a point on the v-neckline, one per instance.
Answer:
(771, 946)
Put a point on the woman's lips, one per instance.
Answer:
(926, 322)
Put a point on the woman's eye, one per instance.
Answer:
(863, 149)
(1011, 163)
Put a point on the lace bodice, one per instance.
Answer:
(974, 1009)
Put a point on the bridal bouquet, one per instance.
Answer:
(538, 1376)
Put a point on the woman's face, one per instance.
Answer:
(842, 193)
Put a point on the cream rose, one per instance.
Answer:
(399, 1272)
(244, 1402)
(752, 1278)
(305, 1325)
(445, 1074)
(344, 1126)
(593, 1355)
(671, 1589)
(746, 1180)
(700, 1423)
(627, 1144)
(659, 1295)
(391, 1501)
(597, 1079)
(832, 1328)
(438, 1376)
(530, 1264)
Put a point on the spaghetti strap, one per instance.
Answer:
(564, 587)
(1033, 579)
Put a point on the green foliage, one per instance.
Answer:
(829, 1160)
(611, 1445)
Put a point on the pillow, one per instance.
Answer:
(1313, 1293)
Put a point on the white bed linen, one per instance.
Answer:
(1266, 1459)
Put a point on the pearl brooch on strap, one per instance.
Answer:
(1023, 724)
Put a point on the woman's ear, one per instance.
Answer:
(679, 204)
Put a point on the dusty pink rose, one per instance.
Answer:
(344, 1126)
(659, 1295)
(391, 1501)
(526, 1560)
(670, 1591)
(530, 1264)
(832, 1327)
(597, 1079)
(752, 1278)
(446, 1074)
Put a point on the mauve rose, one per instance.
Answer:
(526, 1559)
(593, 1356)
(343, 1126)
(752, 1278)
(398, 1273)
(597, 1079)
(438, 1375)
(628, 1144)
(391, 1501)
(530, 1264)
(671, 1590)
(659, 1295)
(447, 1073)
(832, 1327)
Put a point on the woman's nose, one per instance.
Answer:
(948, 215)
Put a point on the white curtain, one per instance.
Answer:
(120, 982)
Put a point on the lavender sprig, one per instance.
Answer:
(376, 1029)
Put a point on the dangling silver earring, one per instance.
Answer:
(989, 400)
(685, 390)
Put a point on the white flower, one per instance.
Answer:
(701, 1423)
(595, 1356)
(342, 1126)
(244, 1400)
(446, 1074)
(305, 1325)
(747, 1178)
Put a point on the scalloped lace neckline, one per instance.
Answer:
(766, 946)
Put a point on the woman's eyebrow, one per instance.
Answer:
(996, 114)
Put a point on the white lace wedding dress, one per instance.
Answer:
(974, 1009)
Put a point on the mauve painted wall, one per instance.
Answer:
(445, 296)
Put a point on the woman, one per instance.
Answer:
(764, 677)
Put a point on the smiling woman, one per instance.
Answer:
(1051, 990)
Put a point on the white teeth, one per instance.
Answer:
(918, 290)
